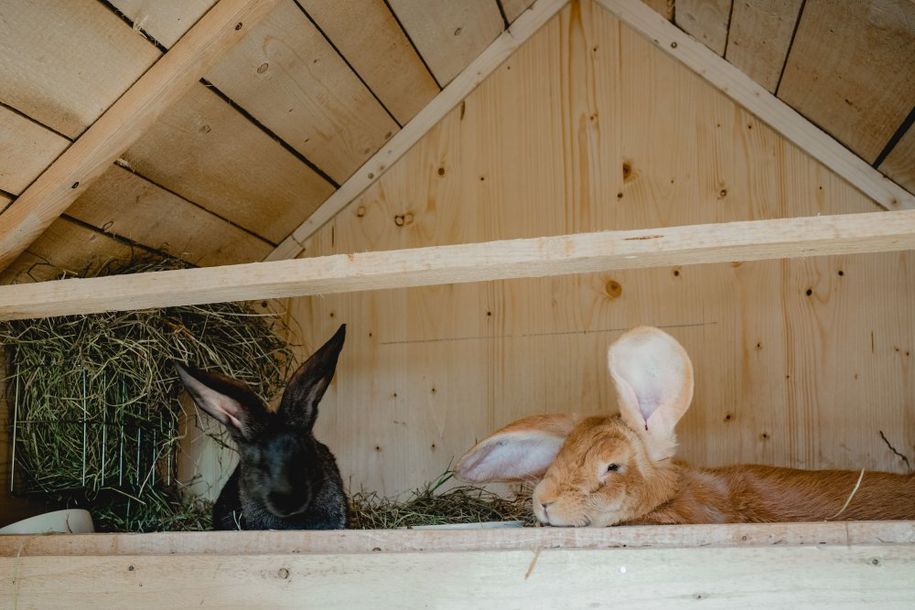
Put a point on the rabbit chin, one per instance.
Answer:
(576, 513)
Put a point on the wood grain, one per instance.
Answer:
(752, 96)
(783, 377)
(900, 163)
(706, 20)
(369, 37)
(760, 36)
(26, 149)
(850, 70)
(208, 153)
(126, 204)
(514, 8)
(866, 576)
(69, 74)
(165, 20)
(449, 34)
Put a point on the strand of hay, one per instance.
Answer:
(94, 401)
(424, 506)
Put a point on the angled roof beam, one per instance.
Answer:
(766, 106)
(495, 260)
(124, 122)
(479, 69)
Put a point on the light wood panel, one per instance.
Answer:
(449, 34)
(128, 205)
(850, 70)
(291, 80)
(627, 137)
(26, 149)
(760, 36)
(705, 20)
(207, 152)
(514, 8)
(665, 8)
(65, 71)
(900, 163)
(867, 576)
(165, 20)
(367, 34)
(5, 200)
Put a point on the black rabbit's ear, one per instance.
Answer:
(310, 381)
(226, 399)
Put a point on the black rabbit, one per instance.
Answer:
(285, 479)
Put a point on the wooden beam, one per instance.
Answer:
(496, 260)
(479, 69)
(755, 98)
(124, 122)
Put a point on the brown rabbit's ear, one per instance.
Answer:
(311, 380)
(653, 376)
(229, 401)
(521, 451)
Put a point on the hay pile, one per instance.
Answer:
(424, 506)
(94, 402)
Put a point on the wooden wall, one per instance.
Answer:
(800, 363)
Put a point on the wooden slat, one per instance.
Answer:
(64, 63)
(514, 8)
(369, 37)
(293, 81)
(539, 257)
(850, 70)
(866, 576)
(26, 149)
(759, 38)
(210, 154)
(128, 205)
(449, 34)
(752, 96)
(665, 8)
(434, 541)
(166, 20)
(484, 65)
(900, 163)
(705, 20)
(123, 123)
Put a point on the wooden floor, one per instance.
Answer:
(853, 564)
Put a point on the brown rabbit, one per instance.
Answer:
(600, 471)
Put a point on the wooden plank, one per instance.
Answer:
(900, 163)
(665, 8)
(538, 257)
(165, 20)
(286, 75)
(123, 123)
(514, 8)
(760, 36)
(861, 576)
(752, 96)
(5, 200)
(205, 151)
(706, 20)
(26, 149)
(449, 34)
(65, 63)
(484, 65)
(126, 204)
(369, 37)
(434, 541)
(850, 70)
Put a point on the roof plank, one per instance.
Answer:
(165, 20)
(706, 20)
(27, 149)
(900, 163)
(760, 36)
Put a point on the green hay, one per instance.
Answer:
(94, 401)
(424, 506)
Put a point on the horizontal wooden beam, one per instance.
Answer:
(759, 101)
(124, 122)
(479, 69)
(496, 260)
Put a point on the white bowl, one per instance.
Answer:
(69, 521)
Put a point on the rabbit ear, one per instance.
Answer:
(229, 401)
(311, 380)
(521, 451)
(654, 383)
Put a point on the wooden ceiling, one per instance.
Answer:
(315, 89)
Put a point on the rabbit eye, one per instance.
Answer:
(613, 467)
